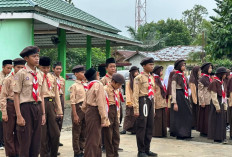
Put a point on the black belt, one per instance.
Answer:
(49, 99)
(9, 100)
(32, 103)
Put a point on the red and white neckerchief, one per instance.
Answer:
(58, 84)
(85, 86)
(162, 82)
(35, 91)
(48, 82)
(223, 90)
(121, 97)
(12, 73)
(203, 74)
(107, 99)
(108, 77)
(185, 83)
(150, 91)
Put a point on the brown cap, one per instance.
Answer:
(78, 68)
(133, 68)
(147, 60)
(178, 62)
(29, 51)
(118, 78)
(19, 61)
(221, 70)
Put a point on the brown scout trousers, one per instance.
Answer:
(78, 131)
(144, 124)
(50, 131)
(29, 136)
(111, 133)
(60, 121)
(93, 132)
(9, 130)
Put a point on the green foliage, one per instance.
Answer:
(193, 19)
(76, 56)
(220, 38)
(222, 62)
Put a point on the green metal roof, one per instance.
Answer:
(59, 9)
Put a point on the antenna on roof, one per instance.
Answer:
(140, 13)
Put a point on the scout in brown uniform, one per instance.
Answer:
(129, 120)
(111, 134)
(57, 69)
(204, 98)
(77, 96)
(8, 110)
(6, 69)
(229, 94)
(143, 94)
(50, 131)
(29, 104)
(193, 84)
(217, 113)
(182, 115)
(96, 117)
(160, 120)
(111, 69)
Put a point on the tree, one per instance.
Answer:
(178, 33)
(220, 44)
(193, 19)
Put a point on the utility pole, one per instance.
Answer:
(140, 13)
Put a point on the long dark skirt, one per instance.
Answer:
(171, 120)
(217, 122)
(203, 119)
(168, 117)
(129, 120)
(230, 120)
(160, 125)
(195, 110)
(182, 119)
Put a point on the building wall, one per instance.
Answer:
(135, 61)
(14, 36)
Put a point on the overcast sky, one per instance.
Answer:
(121, 13)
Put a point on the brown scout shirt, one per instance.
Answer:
(160, 102)
(53, 92)
(95, 96)
(174, 87)
(77, 92)
(7, 93)
(129, 95)
(141, 89)
(203, 94)
(106, 80)
(24, 85)
(62, 84)
(2, 76)
(215, 101)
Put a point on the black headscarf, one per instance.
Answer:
(194, 75)
(177, 77)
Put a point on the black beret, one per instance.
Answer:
(147, 60)
(133, 68)
(110, 60)
(178, 62)
(118, 78)
(221, 70)
(89, 73)
(29, 51)
(156, 68)
(19, 61)
(44, 61)
(78, 68)
(7, 61)
(205, 64)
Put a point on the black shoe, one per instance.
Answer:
(142, 154)
(103, 149)
(58, 154)
(123, 132)
(172, 134)
(149, 153)
(120, 149)
(60, 144)
(79, 155)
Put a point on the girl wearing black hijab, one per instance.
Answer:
(204, 98)
(160, 120)
(217, 114)
(129, 120)
(193, 84)
(181, 105)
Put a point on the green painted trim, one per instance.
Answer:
(89, 52)
(62, 50)
(108, 53)
(32, 33)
